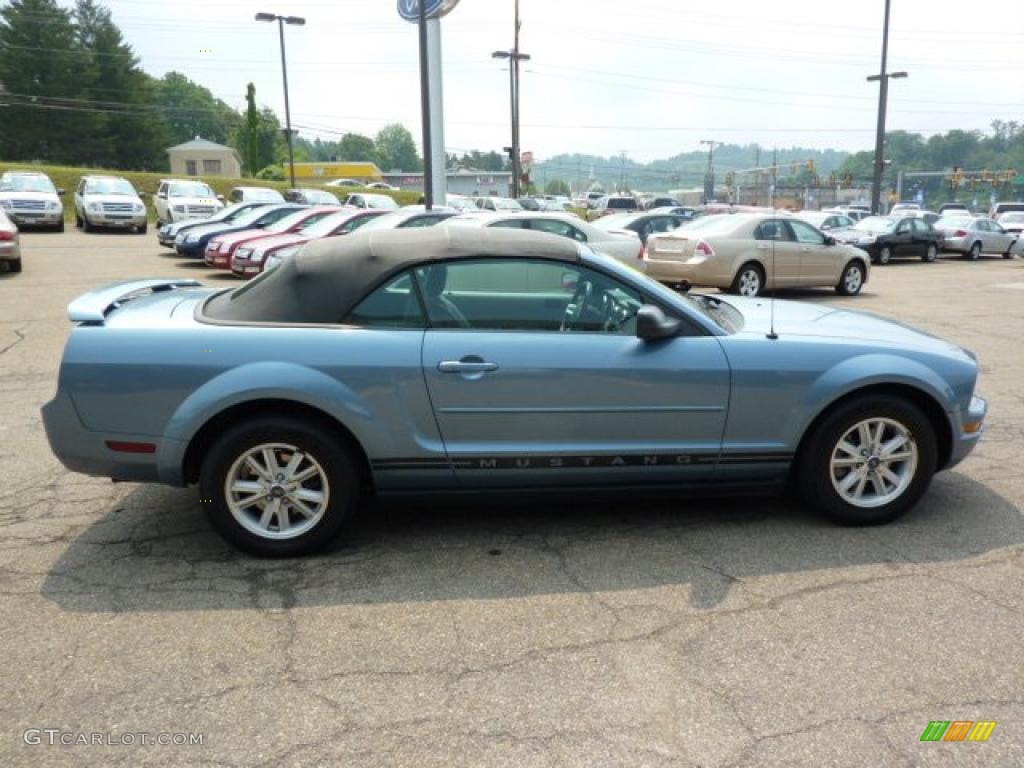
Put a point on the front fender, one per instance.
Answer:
(863, 371)
(261, 381)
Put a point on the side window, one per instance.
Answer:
(903, 227)
(526, 295)
(393, 305)
(805, 233)
(982, 225)
(510, 224)
(773, 229)
(421, 221)
(236, 195)
(552, 227)
(920, 226)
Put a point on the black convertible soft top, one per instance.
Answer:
(324, 281)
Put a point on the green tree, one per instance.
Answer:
(354, 147)
(396, 149)
(258, 138)
(39, 61)
(127, 132)
(557, 187)
(190, 110)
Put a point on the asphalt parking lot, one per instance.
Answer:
(700, 633)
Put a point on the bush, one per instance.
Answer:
(67, 178)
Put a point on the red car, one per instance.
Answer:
(248, 259)
(219, 250)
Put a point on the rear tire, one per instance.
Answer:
(311, 511)
(852, 279)
(838, 480)
(749, 280)
(86, 226)
(975, 253)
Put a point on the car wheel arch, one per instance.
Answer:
(216, 425)
(917, 395)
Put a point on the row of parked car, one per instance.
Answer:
(745, 250)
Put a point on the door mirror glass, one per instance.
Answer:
(829, 240)
(653, 324)
(61, 191)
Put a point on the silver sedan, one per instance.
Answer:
(975, 235)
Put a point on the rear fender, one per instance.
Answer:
(261, 381)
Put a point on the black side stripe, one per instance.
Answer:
(581, 461)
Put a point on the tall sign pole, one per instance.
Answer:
(427, 14)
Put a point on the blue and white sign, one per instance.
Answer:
(410, 9)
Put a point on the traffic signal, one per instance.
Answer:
(810, 167)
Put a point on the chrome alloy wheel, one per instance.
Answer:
(873, 463)
(852, 280)
(277, 491)
(749, 282)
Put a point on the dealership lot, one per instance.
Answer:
(711, 633)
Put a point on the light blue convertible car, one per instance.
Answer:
(462, 360)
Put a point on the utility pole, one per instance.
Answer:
(622, 170)
(883, 97)
(709, 177)
(514, 56)
(281, 21)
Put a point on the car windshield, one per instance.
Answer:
(953, 222)
(292, 219)
(876, 224)
(190, 189)
(380, 201)
(1013, 217)
(252, 215)
(326, 225)
(254, 193)
(615, 221)
(109, 187)
(28, 183)
(708, 223)
(503, 204)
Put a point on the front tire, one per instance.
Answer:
(142, 230)
(931, 254)
(884, 255)
(278, 487)
(869, 461)
(749, 281)
(86, 226)
(852, 279)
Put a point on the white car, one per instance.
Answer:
(381, 185)
(498, 204)
(109, 201)
(902, 208)
(255, 195)
(29, 198)
(380, 202)
(184, 199)
(623, 245)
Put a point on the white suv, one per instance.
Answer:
(183, 199)
(29, 199)
(108, 201)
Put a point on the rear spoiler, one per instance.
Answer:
(93, 307)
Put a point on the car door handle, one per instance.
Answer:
(805, 248)
(763, 246)
(466, 366)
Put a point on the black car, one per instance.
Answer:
(530, 204)
(643, 224)
(661, 202)
(887, 237)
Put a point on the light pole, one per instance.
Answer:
(709, 177)
(883, 97)
(514, 57)
(281, 21)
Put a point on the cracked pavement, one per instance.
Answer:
(712, 633)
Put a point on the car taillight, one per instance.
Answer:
(706, 249)
(5, 235)
(960, 233)
(643, 252)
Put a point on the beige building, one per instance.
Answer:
(200, 157)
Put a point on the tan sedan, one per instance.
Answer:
(749, 253)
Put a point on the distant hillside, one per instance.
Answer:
(683, 170)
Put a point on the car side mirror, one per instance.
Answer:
(653, 324)
(829, 240)
(61, 192)
(161, 195)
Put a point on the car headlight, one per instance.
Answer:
(243, 253)
(5, 204)
(214, 246)
(865, 240)
(139, 208)
(192, 239)
(95, 207)
(53, 205)
(273, 261)
(179, 209)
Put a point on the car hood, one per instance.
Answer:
(240, 235)
(48, 197)
(271, 242)
(89, 199)
(804, 319)
(195, 201)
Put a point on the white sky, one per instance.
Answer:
(651, 77)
